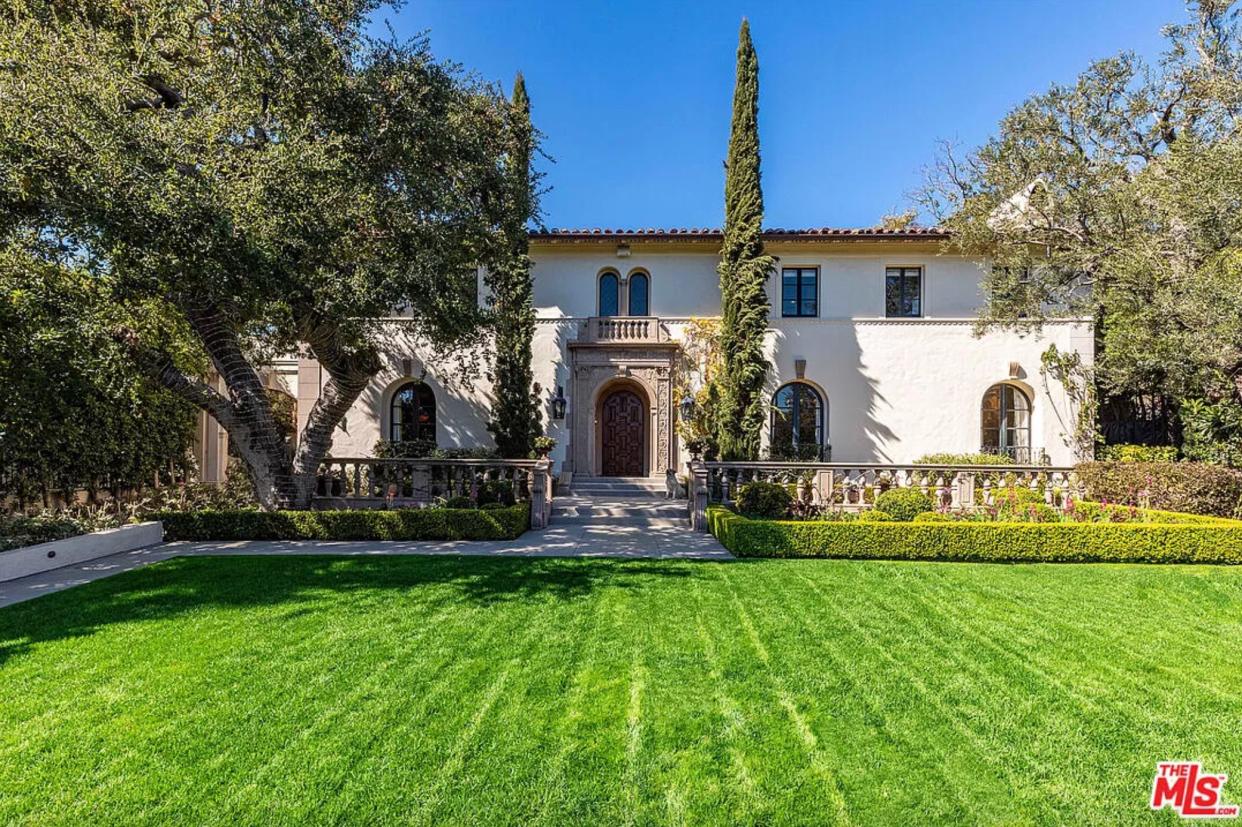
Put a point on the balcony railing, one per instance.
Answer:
(369, 482)
(638, 330)
(855, 486)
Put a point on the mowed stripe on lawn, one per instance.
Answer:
(432, 690)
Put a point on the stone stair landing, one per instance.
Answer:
(627, 517)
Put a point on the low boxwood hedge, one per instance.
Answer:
(1210, 541)
(399, 524)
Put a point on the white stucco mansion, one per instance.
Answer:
(871, 343)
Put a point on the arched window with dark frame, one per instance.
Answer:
(798, 415)
(640, 292)
(1006, 420)
(412, 414)
(609, 294)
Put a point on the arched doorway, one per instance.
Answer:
(622, 434)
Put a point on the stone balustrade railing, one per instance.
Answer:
(627, 329)
(368, 482)
(855, 486)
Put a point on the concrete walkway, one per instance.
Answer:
(594, 523)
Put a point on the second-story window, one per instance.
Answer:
(640, 287)
(800, 291)
(903, 292)
(609, 293)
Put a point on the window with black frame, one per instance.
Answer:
(799, 291)
(639, 294)
(903, 292)
(797, 430)
(609, 294)
(1006, 421)
(412, 414)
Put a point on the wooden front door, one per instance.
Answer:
(622, 435)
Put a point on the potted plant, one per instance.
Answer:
(696, 446)
(543, 446)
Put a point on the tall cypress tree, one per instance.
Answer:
(516, 419)
(744, 271)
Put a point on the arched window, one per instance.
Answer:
(412, 414)
(609, 291)
(640, 287)
(797, 423)
(1007, 422)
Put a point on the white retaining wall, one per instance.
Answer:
(22, 562)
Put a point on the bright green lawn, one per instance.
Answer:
(481, 691)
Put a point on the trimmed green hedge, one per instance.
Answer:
(400, 524)
(1212, 541)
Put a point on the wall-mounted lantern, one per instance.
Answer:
(687, 407)
(558, 403)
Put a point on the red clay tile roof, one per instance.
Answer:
(706, 234)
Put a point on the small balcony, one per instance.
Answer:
(623, 330)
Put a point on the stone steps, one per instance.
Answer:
(627, 504)
(638, 487)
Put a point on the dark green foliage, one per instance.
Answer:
(17, 530)
(1137, 453)
(1214, 542)
(399, 524)
(460, 501)
(764, 499)
(1212, 431)
(904, 504)
(496, 491)
(516, 418)
(427, 449)
(744, 272)
(74, 411)
(272, 177)
(1194, 487)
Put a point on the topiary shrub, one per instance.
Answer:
(904, 504)
(875, 515)
(459, 502)
(763, 499)
(932, 517)
(1194, 487)
(494, 506)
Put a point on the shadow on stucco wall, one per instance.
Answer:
(834, 364)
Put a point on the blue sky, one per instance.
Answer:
(633, 98)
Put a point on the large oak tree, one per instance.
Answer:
(266, 172)
(1118, 198)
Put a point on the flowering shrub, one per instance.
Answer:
(1192, 487)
